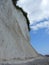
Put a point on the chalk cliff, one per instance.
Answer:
(14, 33)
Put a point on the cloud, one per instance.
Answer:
(37, 10)
(44, 23)
(40, 25)
(31, 7)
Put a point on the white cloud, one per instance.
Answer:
(44, 4)
(37, 10)
(41, 25)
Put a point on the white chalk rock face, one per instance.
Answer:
(14, 34)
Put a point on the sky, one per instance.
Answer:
(38, 14)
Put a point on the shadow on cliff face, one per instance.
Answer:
(24, 13)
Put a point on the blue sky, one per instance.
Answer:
(38, 14)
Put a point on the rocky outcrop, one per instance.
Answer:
(14, 33)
